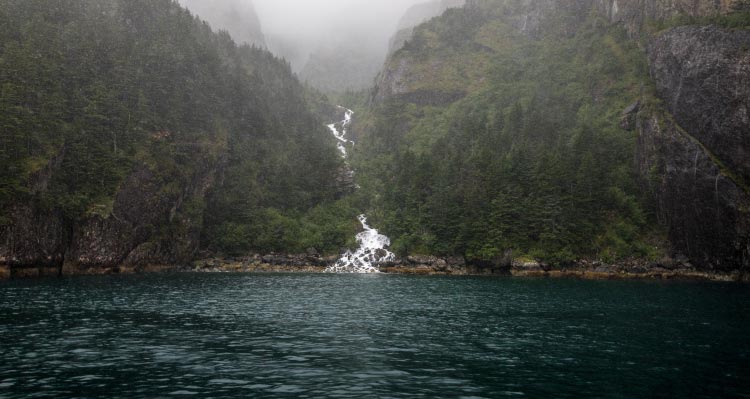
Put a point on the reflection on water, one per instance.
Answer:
(229, 336)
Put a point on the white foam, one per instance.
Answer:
(372, 250)
(371, 254)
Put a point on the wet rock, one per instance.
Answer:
(527, 265)
(455, 261)
(380, 253)
(694, 156)
(440, 265)
(399, 79)
(345, 181)
(703, 75)
(143, 255)
(629, 117)
(706, 211)
(34, 237)
(422, 260)
(606, 269)
(635, 14)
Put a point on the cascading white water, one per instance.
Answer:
(341, 135)
(372, 250)
(371, 253)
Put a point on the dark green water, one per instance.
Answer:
(227, 336)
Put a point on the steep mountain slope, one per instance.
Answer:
(130, 130)
(498, 129)
(417, 15)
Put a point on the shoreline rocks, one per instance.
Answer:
(312, 262)
(4, 272)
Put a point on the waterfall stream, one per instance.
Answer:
(341, 134)
(372, 245)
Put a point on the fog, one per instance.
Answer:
(296, 28)
(238, 17)
(307, 25)
(333, 45)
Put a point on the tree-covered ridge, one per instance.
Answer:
(531, 157)
(93, 90)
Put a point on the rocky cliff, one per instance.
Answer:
(705, 210)
(636, 14)
(694, 152)
(150, 223)
(693, 130)
(703, 76)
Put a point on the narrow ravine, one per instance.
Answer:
(372, 250)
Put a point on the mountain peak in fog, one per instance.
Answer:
(238, 17)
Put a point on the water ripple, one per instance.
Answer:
(232, 336)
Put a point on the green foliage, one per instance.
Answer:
(328, 228)
(531, 160)
(91, 90)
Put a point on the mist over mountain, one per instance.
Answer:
(343, 66)
(424, 11)
(332, 44)
(352, 64)
(309, 26)
(238, 17)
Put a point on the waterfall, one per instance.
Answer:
(372, 245)
(370, 254)
(341, 135)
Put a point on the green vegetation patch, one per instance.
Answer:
(532, 160)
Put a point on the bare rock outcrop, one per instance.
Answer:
(694, 150)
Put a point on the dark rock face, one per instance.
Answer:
(138, 208)
(634, 14)
(345, 181)
(696, 161)
(393, 80)
(33, 238)
(629, 117)
(703, 75)
(708, 215)
(129, 236)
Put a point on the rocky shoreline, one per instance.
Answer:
(455, 266)
(412, 265)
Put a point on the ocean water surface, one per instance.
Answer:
(238, 336)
